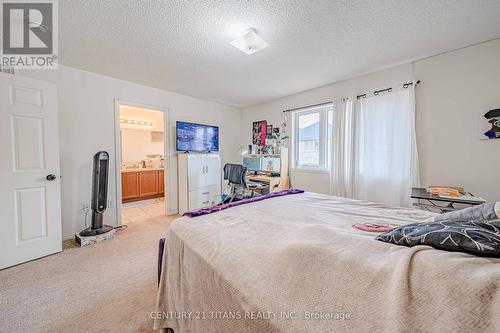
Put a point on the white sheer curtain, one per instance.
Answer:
(386, 149)
(342, 166)
(374, 150)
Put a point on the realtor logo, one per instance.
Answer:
(29, 34)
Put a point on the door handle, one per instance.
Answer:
(204, 193)
(51, 177)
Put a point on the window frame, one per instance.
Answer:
(324, 112)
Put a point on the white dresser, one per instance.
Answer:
(199, 181)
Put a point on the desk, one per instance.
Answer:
(275, 183)
(427, 200)
(257, 187)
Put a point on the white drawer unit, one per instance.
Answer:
(199, 181)
(204, 197)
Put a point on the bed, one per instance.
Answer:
(295, 264)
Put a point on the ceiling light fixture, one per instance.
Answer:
(250, 42)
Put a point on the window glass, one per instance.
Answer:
(312, 137)
(308, 139)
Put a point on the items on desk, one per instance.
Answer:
(261, 150)
(273, 183)
(271, 170)
(238, 187)
(263, 163)
(450, 192)
(466, 197)
(426, 200)
(446, 190)
(235, 174)
(257, 188)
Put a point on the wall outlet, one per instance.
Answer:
(111, 204)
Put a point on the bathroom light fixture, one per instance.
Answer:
(136, 122)
(250, 42)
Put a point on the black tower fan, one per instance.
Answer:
(99, 195)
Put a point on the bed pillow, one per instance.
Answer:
(478, 238)
(480, 213)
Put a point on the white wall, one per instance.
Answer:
(136, 144)
(456, 88)
(86, 125)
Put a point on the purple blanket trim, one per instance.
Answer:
(160, 257)
(205, 211)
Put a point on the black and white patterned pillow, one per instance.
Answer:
(478, 238)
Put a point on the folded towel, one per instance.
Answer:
(481, 213)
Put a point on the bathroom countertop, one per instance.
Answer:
(141, 169)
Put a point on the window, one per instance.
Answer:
(312, 137)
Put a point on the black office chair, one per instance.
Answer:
(235, 174)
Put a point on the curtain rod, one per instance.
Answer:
(307, 107)
(376, 92)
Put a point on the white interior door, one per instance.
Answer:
(30, 215)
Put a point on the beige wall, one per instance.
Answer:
(456, 88)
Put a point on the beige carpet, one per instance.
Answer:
(107, 287)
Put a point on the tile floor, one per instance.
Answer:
(140, 211)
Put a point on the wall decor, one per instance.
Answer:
(259, 132)
(490, 125)
(269, 132)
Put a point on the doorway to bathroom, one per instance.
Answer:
(141, 164)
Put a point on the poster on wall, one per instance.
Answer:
(269, 132)
(490, 125)
(259, 133)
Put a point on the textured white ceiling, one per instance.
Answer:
(183, 46)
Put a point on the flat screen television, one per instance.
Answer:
(197, 137)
